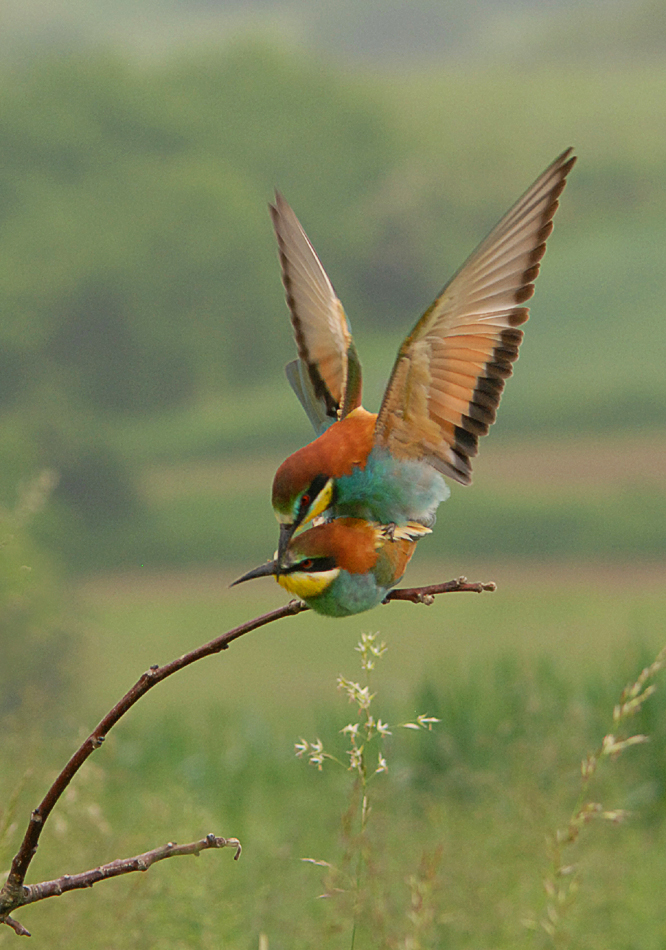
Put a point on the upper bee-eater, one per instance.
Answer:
(444, 389)
(344, 566)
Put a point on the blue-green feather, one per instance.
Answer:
(350, 594)
(389, 490)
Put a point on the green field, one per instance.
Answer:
(524, 681)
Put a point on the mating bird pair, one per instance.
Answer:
(367, 489)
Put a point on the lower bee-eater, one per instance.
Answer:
(345, 566)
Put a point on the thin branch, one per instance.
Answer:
(426, 595)
(16, 926)
(140, 862)
(13, 893)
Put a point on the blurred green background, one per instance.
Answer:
(144, 410)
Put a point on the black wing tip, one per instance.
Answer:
(565, 160)
(463, 478)
(525, 291)
(466, 443)
(547, 229)
(489, 386)
(457, 466)
(560, 168)
(562, 165)
(475, 426)
(517, 317)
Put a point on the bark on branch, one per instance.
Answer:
(140, 862)
(426, 595)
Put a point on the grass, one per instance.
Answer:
(524, 682)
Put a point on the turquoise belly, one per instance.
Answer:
(349, 594)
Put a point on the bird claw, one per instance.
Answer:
(388, 531)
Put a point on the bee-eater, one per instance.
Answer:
(344, 566)
(444, 389)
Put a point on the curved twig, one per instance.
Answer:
(426, 595)
(14, 892)
(11, 895)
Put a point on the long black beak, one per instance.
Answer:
(286, 531)
(266, 570)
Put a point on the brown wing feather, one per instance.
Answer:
(448, 378)
(320, 325)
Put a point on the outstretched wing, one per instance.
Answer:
(327, 376)
(450, 372)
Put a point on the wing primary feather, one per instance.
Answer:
(300, 380)
(321, 329)
(501, 369)
(450, 372)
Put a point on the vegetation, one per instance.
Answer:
(37, 638)
(141, 356)
(455, 846)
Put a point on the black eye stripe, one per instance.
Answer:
(309, 495)
(313, 565)
(317, 484)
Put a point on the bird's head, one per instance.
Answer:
(313, 560)
(299, 495)
(304, 486)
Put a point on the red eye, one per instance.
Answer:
(305, 500)
(307, 564)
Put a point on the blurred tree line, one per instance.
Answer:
(138, 273)
(135, 248)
